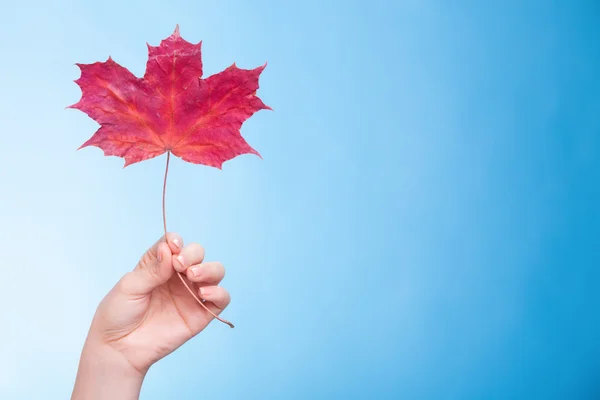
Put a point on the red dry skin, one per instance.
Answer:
(171, 109)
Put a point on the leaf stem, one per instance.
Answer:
(164, 194)
(164, 211)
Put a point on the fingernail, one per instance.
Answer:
(203, 291)
(196, 271)
(179, 259)
(176, 243)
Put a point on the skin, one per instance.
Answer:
(145, 317)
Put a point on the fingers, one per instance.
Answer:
(216, 298)
(174, 241)
(154, 268)
(190, 255)
(208, 273)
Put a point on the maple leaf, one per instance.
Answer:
(171, 109)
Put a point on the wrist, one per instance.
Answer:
(104, 373)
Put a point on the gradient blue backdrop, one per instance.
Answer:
(425, 223)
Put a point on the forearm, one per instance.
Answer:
(104, 374)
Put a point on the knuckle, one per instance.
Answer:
(154, 271)
(226, 298)
(146, 260)
(149, 263)
(222, 293)
(217, 267)
(195, 252)
(173, 238)
(197, 248)
(172, 235)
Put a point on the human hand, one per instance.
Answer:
(148, 315)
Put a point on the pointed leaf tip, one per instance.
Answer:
(176, 32)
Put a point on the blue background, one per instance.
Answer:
(425, 223)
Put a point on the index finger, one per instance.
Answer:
(174, 240)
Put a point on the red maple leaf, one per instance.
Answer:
(171, 109)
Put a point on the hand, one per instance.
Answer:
(148, 315)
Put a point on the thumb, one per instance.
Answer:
(155, 267)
